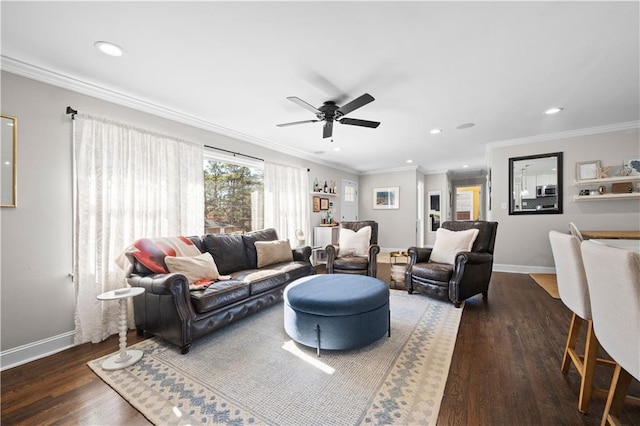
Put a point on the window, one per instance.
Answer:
(233, 193)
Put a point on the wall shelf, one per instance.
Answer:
(324, 194)
(604, 181)
(607, 197)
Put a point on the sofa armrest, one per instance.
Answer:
(302, 254)
(418, 255)
(165, 307)
(473, 258)
(471, 275)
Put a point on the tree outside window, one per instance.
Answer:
(233, 197)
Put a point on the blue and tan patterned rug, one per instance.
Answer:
(251, 373)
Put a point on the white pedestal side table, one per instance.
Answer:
(125, 357)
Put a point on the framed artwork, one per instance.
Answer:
(324, 204)
(633, 164)
(587, 170)
(316, 204)
(386, 198)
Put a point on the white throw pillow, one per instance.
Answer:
(449, 243)
(270, 252)
(354, 243)
(196, 268)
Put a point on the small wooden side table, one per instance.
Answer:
(125, 357)
(398, 268)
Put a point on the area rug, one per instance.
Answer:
(548, 282)
(251, 373)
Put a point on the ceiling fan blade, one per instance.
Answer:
(363, 123)
(355, 104)
(327, 131)
(293, 123)
(304, 104)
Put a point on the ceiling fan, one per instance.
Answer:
(329, 112)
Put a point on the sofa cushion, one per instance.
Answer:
(250, 239)
(151, 252)
(228, 252)
(219, 294)
(261, 280)
(449, 243)
(354, 243)
(195, 268)
(270, 252)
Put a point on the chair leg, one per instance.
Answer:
(572, 339)
(589, 368)
(617, 392)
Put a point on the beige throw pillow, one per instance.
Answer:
(354, 243)
(449, 243)
(270, 252)
(196, 268)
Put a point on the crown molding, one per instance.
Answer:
(57, 79)
(563, 135)
(390, 170)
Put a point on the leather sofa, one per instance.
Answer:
(170, 310)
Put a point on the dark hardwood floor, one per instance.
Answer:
(505, 371)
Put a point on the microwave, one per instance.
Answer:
(546, 191)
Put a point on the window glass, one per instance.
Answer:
(233, 194)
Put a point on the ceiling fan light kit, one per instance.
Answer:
(329, 112)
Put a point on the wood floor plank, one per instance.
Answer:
(505, 370)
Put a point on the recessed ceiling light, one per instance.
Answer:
(465, 166)
(553, 110)
(465, 126)
(109, 48)
(435, 131)
(409, 161)
(337, 148)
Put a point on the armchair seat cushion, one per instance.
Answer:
(353, 263)
(433, 271)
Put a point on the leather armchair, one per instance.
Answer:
(469, 275)
(350, 264)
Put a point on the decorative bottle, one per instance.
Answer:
(315, 185)
(326, 187)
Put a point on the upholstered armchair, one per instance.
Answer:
(459, 268)
(354, 253)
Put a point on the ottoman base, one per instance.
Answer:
(337, 333)
(337, 311)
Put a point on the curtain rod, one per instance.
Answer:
(72, 111)
(234, 153)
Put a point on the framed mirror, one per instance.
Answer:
(535, 184)
(435, 213)
(8, 159)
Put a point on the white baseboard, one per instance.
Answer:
(524, 269)
(32, 351)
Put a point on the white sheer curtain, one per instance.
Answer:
(130, 183)
(286, 200)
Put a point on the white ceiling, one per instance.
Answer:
(231, 65)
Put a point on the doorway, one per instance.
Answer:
(349, 207)
(469, 203)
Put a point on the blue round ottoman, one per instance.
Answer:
(336, 311)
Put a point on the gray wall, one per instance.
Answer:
(522, 242)
(396, 227)
(37, 294)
